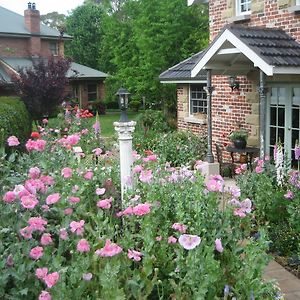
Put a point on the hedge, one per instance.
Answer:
(14, 120)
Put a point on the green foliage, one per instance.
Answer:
(154, 120)
(98, 106)
(134, 105)
(54, 20)
(238, 135)
(85, 25)
(14, 120)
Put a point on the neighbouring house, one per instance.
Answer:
(255, 45)
(25, 40)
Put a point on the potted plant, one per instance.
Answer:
(239, 138)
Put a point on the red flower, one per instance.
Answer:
(35, 135)
(148, 152)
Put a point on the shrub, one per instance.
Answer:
(134, 105)
(98, 106)
(14, 119)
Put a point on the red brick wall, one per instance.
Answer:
(14, 47)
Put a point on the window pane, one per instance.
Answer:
(198, 99)
(281, 116)
(92, 92)
(295, 117)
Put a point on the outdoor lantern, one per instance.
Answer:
(123, 103)
(233, 83)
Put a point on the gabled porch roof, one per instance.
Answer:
(240, 49)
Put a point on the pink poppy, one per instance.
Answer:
(68, 211)
(74, 199)
(37, 223)
(289, 195)
(36, 253)
(179, 227)
(146, 176)
(9, 197)
(110, 249)
(137, 169)
(40, 273)
(105, 204)
(26, 232)
(218, 245)
(40, 145)
(63, 234)
(172, 240)
(158, 238)
(47, 180)
(188, 241)
(73, 139)
(87, 276)
(53, 198)
(66, 172)
(29, 202)
(13, 141)
(141, 209)
(83, 246)
(100, 192)
(34, 173)
(135, 255)
(97, 151)
(46, 239)
(88, 175)
(51, 279)
(44, 295)
(77, 227)
(215, 183)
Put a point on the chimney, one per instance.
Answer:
(32, 23)
(32, 18)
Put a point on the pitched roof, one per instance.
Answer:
(76, 71)
(182, 71)
(12, 23)
(270, 49)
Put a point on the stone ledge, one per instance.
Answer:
(241, 18)
(294, 9)
(195, 120)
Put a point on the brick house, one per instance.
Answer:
(257, 44)
(24, 40)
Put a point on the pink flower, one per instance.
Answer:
(68, 211)
(73, 139)
(46, 239)
(44, 295)
(29, 202)
(83, 246)
(179, 227)
(63, 234)
(87, 276)
(215, 183)
(97, 151)
(47, 180)
(188, 241)
(259, 169)
(289, 195)
(13, 141)
(239, 212)
(135, 255)
(51, 279)
(45, 121)
(77, 227)
(74, 199)
(218, 245)
(75, 188)
(45, 208)
(40, 273)
(34, 173)
(37, 223)
(53, 198)
(88, 175)
(110, 249)
(158, 238)
(238, 171)
(246, 205)
(36, 253)
(137, 169)
(146, 176)
(9, 197)
(141, 209)
(84, 131)
(66, 172)
(100, 192)
(244, 167)
(40, 145)
(26, 232)
(172, 240)
(105, 204)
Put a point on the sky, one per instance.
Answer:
(44, 6)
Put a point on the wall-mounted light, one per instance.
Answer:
(123, 103)
(233, 83)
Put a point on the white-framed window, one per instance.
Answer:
(243, 7)
(297, 2)
(53, 46)
(198, 99)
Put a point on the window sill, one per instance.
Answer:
(240, 18)
(294, 9)
(194, 120)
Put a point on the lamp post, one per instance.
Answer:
(125, 128)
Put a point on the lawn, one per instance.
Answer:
(106, 122)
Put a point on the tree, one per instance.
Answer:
(42, 87)
(85, 25)
(54, 20)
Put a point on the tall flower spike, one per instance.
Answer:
(96, 126)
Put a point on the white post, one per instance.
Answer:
(125, 130)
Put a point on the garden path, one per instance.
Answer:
(288, 283)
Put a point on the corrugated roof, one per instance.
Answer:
(182, 71)
(12, 23)
(76, 70)
(273, 45)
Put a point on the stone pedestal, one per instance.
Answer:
(125, 130)
(209, 169)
